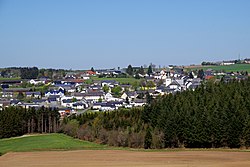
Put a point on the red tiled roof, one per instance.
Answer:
(209, 77)
(90, 72)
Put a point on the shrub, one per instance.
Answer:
(136, 140)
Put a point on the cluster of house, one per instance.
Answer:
(73, 95)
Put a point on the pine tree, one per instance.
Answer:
(148, 139)
(130, 70)
(150, 71)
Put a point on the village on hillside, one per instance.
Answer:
(76, 92)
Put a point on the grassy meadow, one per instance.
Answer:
(228, 68)
(45, 142)
(120, 80)
(9, 79)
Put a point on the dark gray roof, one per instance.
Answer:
(78, 94)
(38, 100)
(33, 93)
(14, 101)
(54, 96)
(93, 94)
(67, 101)
(161, 87)
(131, 94)
(17, 89)
(78, 104)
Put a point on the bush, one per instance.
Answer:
(136, 140)
(122, 139)
(71, 128)
(85, 133)
(112, 138)
(157, 139)
(103, 136)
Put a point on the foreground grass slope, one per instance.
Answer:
(45, 142)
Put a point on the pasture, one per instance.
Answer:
(228, 68)
(44, 142)
(120, 80)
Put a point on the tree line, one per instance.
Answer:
(32, 72)
(16, 121)
(214, 115)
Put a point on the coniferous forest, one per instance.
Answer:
(214, 115)
(16, 121)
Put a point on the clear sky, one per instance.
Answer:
(82, 34)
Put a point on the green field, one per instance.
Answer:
(9, 79)
(120, 80)
(229, 68)
(45, 142)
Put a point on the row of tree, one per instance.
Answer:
(32, 72)
(136, 71)
(29, 73)
(212, 116)
(16, 121)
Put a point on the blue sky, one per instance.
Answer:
(115, 33)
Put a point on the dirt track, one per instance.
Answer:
(95, 158)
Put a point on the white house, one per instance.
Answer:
(174, 85)
(130, 95)
(161, 75)
(247, 61)
(97, 106)
(138, 103)
(109, 97)
(29, 105)
(67, 103)
(110, 83)
(7, 94)
(94, 96)
(33, 94)
(85, 76)
(108, 107)
(54, 92)
(36, 82)
(226, 63)
(168, 81)
(78, 96)
(79, 106)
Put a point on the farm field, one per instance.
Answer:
(9, 79)
(229, 68)
(122, 158)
